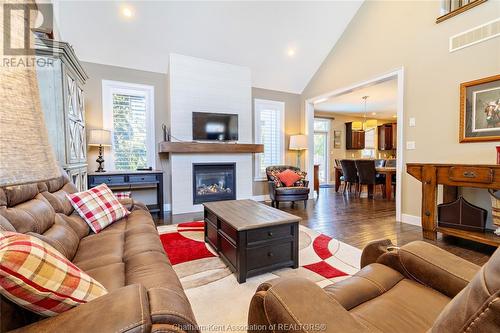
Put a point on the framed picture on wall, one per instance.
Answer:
(337, 137)
(480, 110)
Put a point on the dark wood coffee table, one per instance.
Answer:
(252, 238)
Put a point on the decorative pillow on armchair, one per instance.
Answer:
(273, 175)
(37, 277)
(289, 177)
(98, 207)
(302, 181)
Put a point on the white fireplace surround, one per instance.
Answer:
(182, 185)
(199, 85)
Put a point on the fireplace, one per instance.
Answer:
(214, 182)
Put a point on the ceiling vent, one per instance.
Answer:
(475, 35)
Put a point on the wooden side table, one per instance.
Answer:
(453, 176)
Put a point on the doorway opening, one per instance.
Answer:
(365, 122)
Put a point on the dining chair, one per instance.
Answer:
(367, 175)
(350, 174)
(342, 180)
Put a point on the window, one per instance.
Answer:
(322, 147)
(369, 150)
(450, 8)
(321, 125)
(269, 131)
(370, 138)
(128, 111)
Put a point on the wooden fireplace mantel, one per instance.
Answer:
(209, 148)
(452, 176)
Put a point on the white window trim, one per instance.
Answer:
(274, 104)
(108, 89)
(328, 138)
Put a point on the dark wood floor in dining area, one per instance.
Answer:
(357, 221)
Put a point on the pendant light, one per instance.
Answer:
(364, 115)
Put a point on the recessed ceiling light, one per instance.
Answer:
(290, 52)
(374, 113)
(127, 12)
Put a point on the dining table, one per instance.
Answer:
(387, 171)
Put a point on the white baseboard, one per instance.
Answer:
(411, 219)
(263, 197)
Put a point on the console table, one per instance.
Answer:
(452, 176)
(132, 180)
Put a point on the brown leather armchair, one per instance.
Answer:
(417, 288)
(286, 193)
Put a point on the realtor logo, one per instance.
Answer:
(21, 22)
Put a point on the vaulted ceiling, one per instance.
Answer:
(283, 43)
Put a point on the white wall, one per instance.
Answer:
(386, 35)
(198, 85)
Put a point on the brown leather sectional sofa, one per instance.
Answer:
(417, 288)
(144, 293)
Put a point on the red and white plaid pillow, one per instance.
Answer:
(37, 277)
(98, 207)
(122, 195)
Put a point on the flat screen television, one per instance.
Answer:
(215, 126)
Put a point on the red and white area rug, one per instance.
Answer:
(218, 300)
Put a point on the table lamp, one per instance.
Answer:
(101, 138)
(26, 155)
(298, 142)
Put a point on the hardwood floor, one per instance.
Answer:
(357, 221)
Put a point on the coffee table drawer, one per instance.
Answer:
(269, 255)
(229, 231)
(269, 234)
(211, 216)
(211, 233)
(228, 250)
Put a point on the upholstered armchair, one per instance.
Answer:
(279, 192)
(417, 288)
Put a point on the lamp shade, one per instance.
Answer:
(298, 142)
(371, 123)
(357, 125)
(99, 137)
(25, 153)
